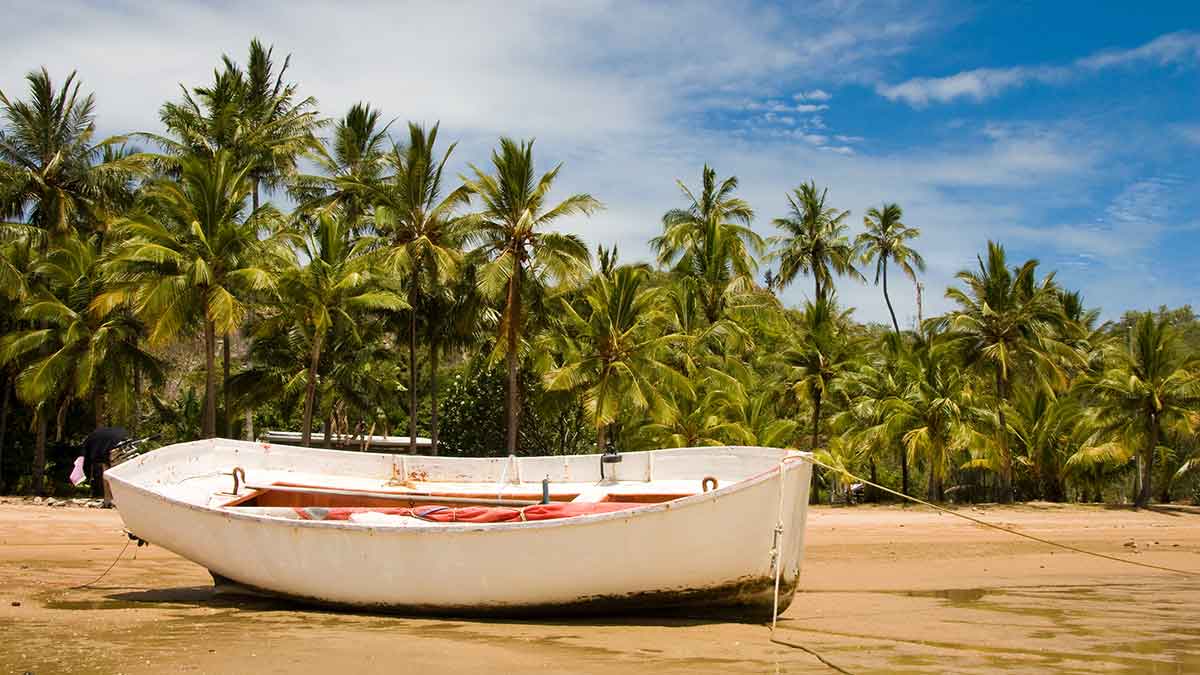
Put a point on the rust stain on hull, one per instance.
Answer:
(749, 599)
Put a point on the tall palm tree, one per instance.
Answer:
(1006, 319)
(935, 416)
(867, 391)
(280, 128)
(815, 242)
(54, 176)
(1151, 382)
(252, 114)
(693, 417)
(335, 282)
(420, 236)
(456, 317)
(71, 353)
(886, 239)
(522, 255)
(192, 255)
(750, 405)
(356, 156)
(612, 349)
(710, 244)
(822, 353)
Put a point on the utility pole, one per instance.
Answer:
(920, 316)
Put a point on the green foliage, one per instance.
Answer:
(474, 421)
(388, 298)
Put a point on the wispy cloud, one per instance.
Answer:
(981, 84)
(621, 95)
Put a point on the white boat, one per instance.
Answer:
(695, 529)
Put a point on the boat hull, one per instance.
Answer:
(710, 552)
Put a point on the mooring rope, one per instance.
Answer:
(114, 564)
(979, 521)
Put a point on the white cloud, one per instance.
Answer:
(980, 84)
(613, 91)
(975, 85)
(1181, 47)
(813, 95)
(1189, 133)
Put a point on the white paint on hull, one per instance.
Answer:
(705, 550)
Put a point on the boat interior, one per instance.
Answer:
(287, 482)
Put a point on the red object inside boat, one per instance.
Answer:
(471, 514)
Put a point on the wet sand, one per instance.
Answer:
(883, 590)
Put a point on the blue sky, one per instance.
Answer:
(1069, 131)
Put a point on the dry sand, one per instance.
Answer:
(884, 590)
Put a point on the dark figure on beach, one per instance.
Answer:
(97, 451)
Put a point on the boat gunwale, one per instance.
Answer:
(422, 527)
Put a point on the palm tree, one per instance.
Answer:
(612, 348)
(53, 176)
(710, 244)
(280, 129)
(815, 243)
(335, 281)
(1006, 319)
(355, 157)
(934, 417)
(693, 417)
(522, 256)
(253, 115)
(71, 353)
(750, 405)
(191, 255)
(867, 391)
(886, 239)
(704, 339)
(823, 353)
(1151, 383)
(420, 237)
(1044, 426)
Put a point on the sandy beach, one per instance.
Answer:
(884, 590)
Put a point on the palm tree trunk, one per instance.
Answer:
(412, 368)
(39, 452)
(1006, 468)
(903, 471)
(329, 428)
(888, 300)
(933, 489)
(97, 406)
(248, 424)
(137, 400)
(514, 318)
(601, 436)
(816, 287)
(4, 425)
(433, 396)
(310, 390)
(1146, 465)
(228, 414)
(872, 491)
(814, 498)
(210, 380)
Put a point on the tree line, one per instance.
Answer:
(147, 281)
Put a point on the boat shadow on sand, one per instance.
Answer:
(208, 597)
